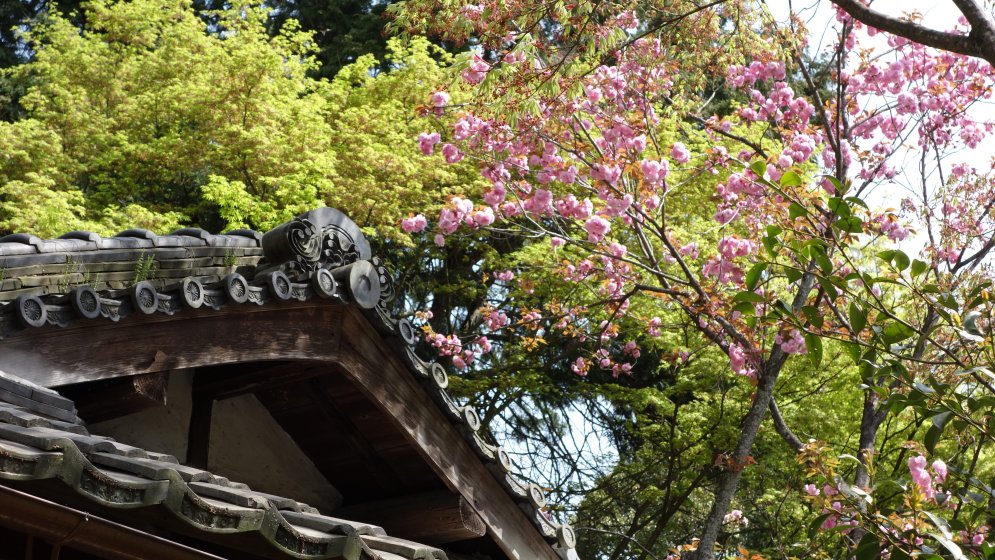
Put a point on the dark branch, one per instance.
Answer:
(980, 43)
(782, 428)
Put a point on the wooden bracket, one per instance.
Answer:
(113, 398)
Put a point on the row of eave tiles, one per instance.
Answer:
(119, 476)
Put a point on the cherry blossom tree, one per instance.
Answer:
(593, 126)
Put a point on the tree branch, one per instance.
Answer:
(781, 427)
(980, 43)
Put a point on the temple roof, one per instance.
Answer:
(42, 440)
(83, 278)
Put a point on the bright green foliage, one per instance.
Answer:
(375, 124)
(148, 118)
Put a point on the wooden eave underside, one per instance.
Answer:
(336, 338)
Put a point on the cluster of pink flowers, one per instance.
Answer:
(476, 71)
(440, 99)
(653, 326)
(722, 267)
(597, 227)
(604, 360)
(472, 11)
(679, 153)
(740, 363)
(840, 515)
(447, 345)
(654, 171)
(580, 367)
(743, 76)
(495, 318)
(977, 538)
(631, 349)
(427, 142)
(463, 354)
(890, 227)
(922, 478)
(452, 153)
(461, 211)
(736, 517)
(792, 342)
(414, 224)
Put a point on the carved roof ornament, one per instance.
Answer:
(325, 239)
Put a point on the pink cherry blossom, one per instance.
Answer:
(738, 362)
(476, 71)
(654, 171)
(791, 342)
(679, 153)
(921, 477)
(451, 153)
(940, 468)
(414, 224)
(580, 367)
(689, 250)
(597, 227)
(495, 319)
(427, 142)
(440, 99)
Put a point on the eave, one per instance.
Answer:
(329, 310)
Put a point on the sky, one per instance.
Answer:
(941, 15)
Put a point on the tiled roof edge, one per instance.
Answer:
(119, 476)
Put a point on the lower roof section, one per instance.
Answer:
(83, 531)
(50, 458)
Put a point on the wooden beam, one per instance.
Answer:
(431, 518)
(232, 380)
(382, 470)
(113, 398)
(101, 349)
(199, 434)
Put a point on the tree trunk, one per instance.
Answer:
(767, 375)
(729, 480)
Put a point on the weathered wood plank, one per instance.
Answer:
(114, 398)
(374, 368)
(429, 517)
(101, 349)
(232, 380)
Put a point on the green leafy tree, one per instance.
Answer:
(148, 116)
